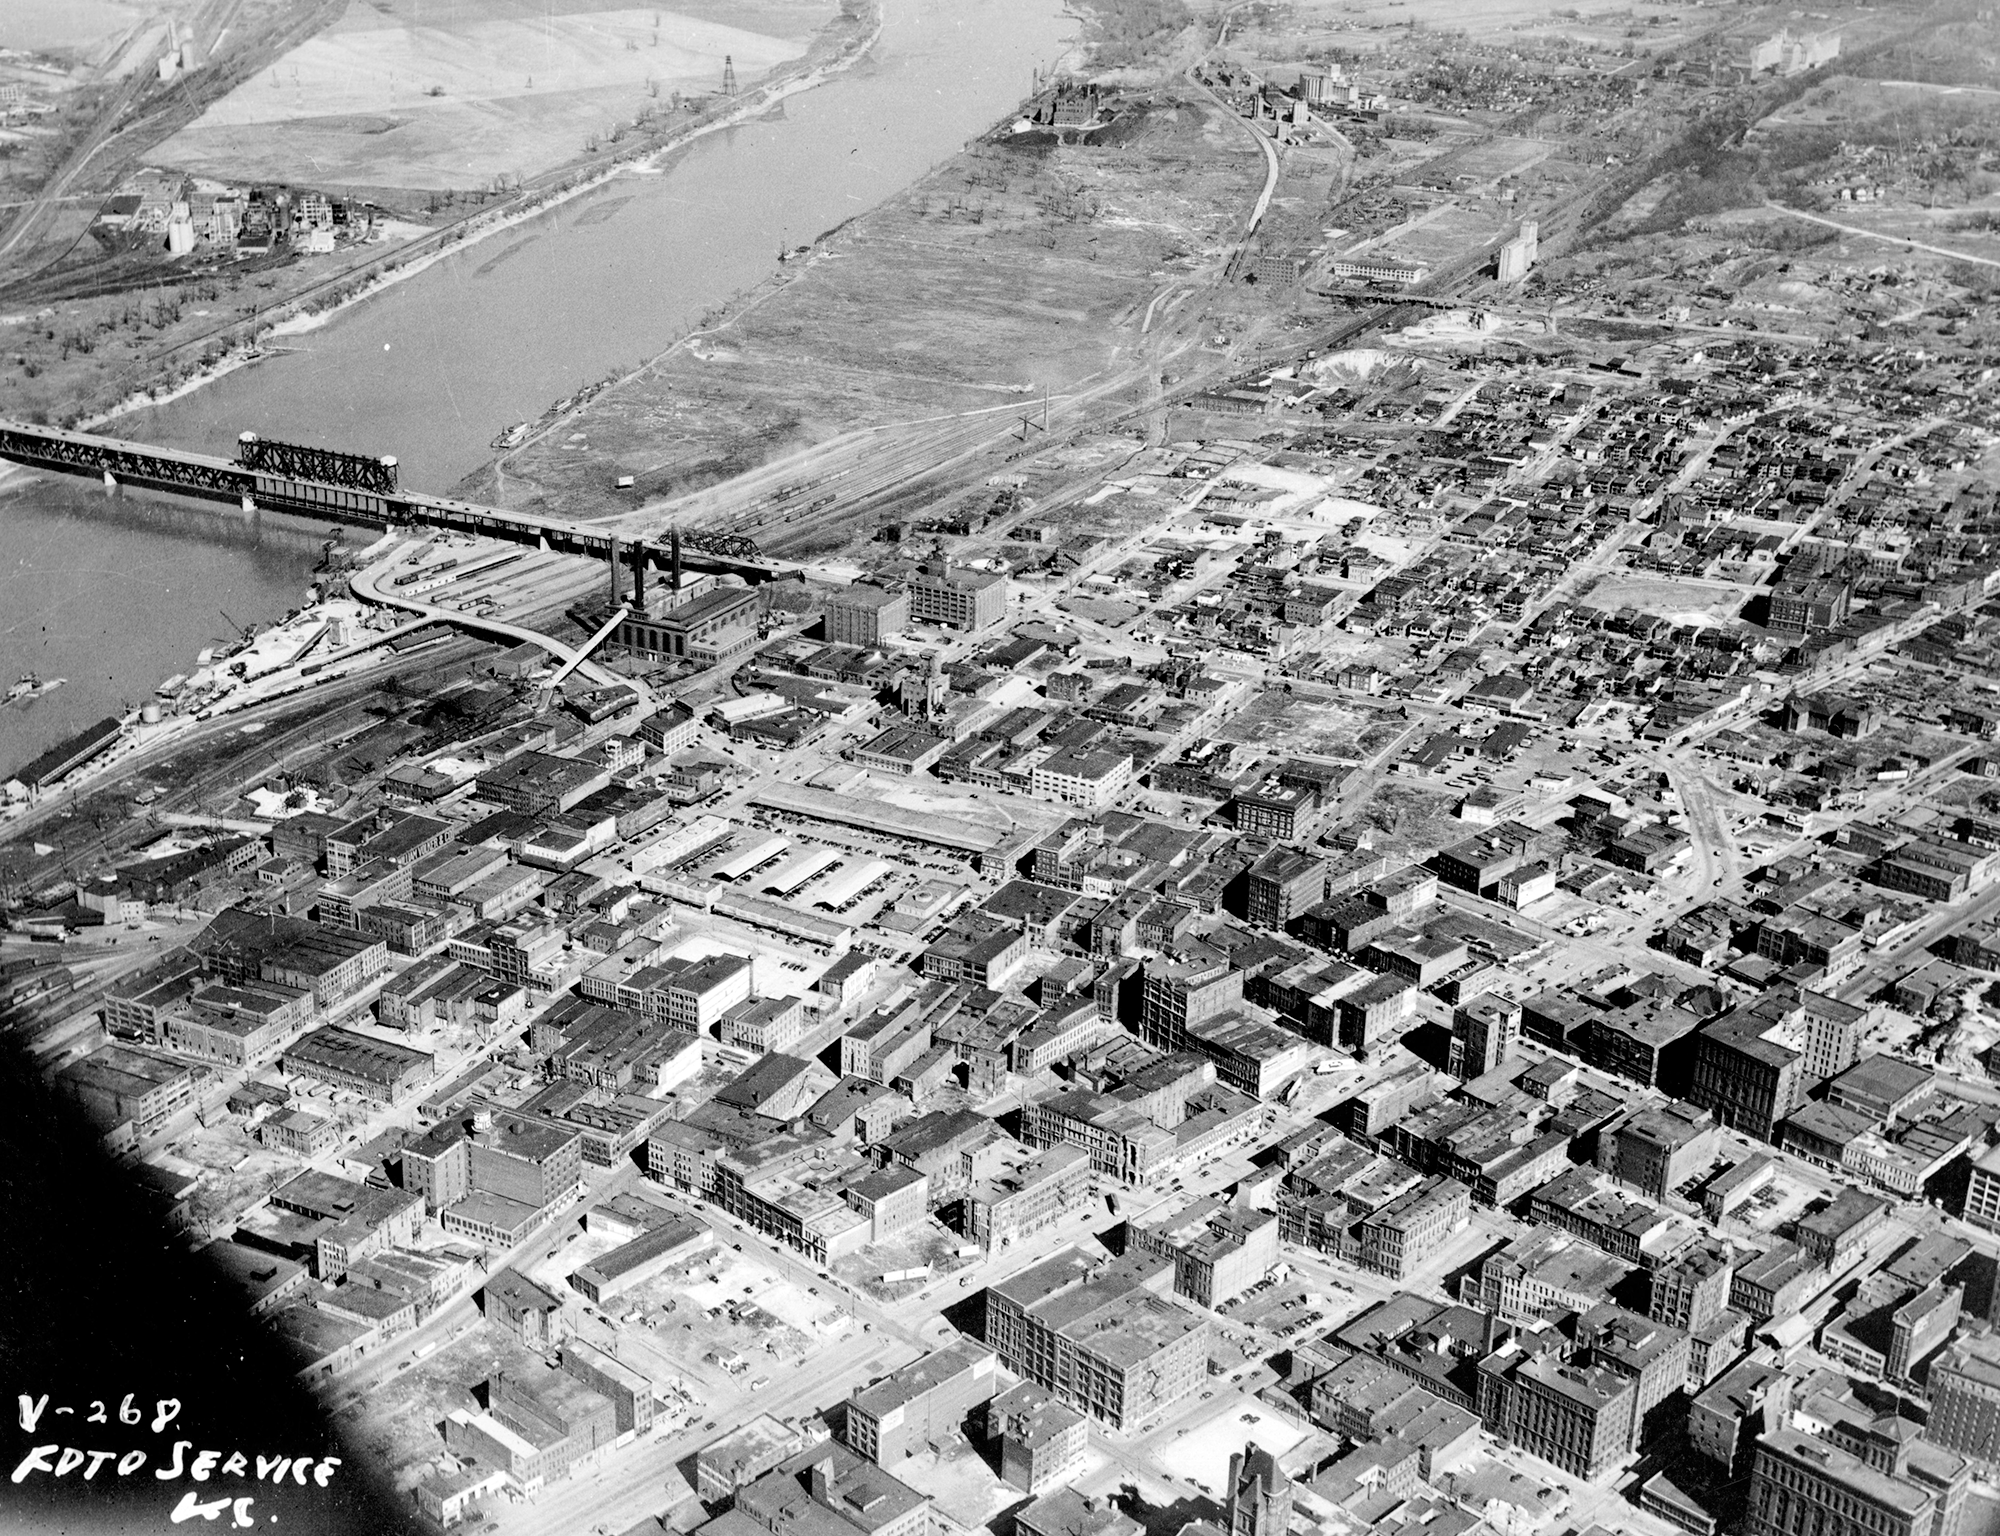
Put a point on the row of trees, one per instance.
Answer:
(1133, 31)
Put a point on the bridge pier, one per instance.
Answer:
(249, 503)
(110, 483)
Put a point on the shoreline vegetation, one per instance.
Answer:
(743, 302)
(318, 305)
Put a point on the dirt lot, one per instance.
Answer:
(1017, 268)
(417, 95)
(1408, 816)
(1704, 602)
(1292, 723)
(399, 1418)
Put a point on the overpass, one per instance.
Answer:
(354, 488)
(569, 658)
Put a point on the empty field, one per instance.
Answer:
(61, 25)
(429, 96)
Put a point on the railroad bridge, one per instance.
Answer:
(320, 482)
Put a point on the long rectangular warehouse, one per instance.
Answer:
(754, 854)
(875, 816)
(679, 844)
(793, 873)
(843, 885)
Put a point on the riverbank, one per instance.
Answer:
(1015, 266)
(241, 344)
(114, 593)
(435, 365)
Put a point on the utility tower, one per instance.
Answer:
(728, 75)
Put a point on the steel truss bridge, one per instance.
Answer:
(313, 482)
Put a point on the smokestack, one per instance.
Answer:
(615, 582)
(639, 554)
(676, 536)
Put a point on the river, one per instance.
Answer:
(117, 595)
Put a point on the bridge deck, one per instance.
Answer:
(215, 479)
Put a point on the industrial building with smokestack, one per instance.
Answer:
(697, 619)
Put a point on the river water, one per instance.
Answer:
(116, 595)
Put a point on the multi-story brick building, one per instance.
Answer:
(1801, 1483)
(1834, 1236)
(1260, 1494)
(1656, 1148)
(1042, 1441)
(1725, 1419)
(1693, 1287)
(1283, 885)
(1218, 1251)
(717, 626)
(1576, 1416)
(1965, 1396)
(1774, 1282)
(920, 1404)
(1756, 1064)
(137, 1006)
(694, 995)
(1654, 1356)
(1175, 994)
(1982, 1192)
(246, 948)
(117, 1086)
(1542, 1274)
(1284, 812)
(828, 1490)
(525, 1159)
(1412, 1227)
(1121, 1141)
(377, 1070)
(865, 615)
(1020, 1192)
(1100, 1337)
(956, 597)
(237, 1026)
(1482, 1030)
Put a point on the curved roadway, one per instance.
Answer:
(1883, 236)
(364, 585)
(1264, 143)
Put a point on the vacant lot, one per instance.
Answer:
(1203, 1453)
(1692, 602)
(39, 26)
(1285, 722)
(410, 95)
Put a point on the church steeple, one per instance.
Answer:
(1260, 1494)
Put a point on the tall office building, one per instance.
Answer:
(1965, 1397)
(1693, 1288)
(1482, 1029)
(1982, 1194)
